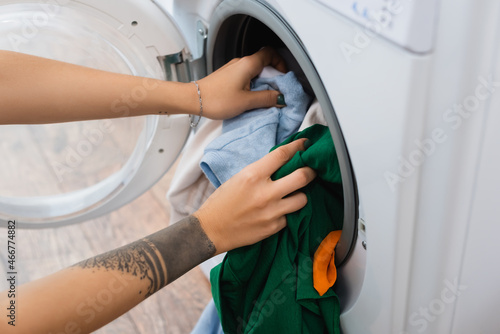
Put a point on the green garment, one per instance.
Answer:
(268, 287)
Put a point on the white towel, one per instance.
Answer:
(314, 116)
(190, 188)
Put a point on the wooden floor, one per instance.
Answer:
(175, 309)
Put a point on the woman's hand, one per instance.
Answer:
(250, 206)
(226, 92)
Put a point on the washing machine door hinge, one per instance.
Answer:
(181, 66)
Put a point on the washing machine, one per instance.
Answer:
(410, 92)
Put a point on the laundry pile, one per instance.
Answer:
(281, 284)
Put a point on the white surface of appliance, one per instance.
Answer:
(411, 92)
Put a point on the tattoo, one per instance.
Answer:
(184, 246)
(161, 257)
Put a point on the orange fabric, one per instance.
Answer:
(324, 270)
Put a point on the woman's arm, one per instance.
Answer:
(244, 210)
(37, 90)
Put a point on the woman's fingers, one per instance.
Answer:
(292, 203)
(262, 99)
(280, 156)
(294, 181)
(276, 226)
(265, 57)
(226, 92)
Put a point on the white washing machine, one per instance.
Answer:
(411, 93)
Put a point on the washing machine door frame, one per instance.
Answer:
(161, 141)
(264, 11)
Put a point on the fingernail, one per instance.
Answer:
(281, 100)
(307, 144)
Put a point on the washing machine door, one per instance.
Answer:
(67, 173)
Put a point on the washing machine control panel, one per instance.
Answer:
(408, 23)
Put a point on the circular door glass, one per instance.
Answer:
(55, 160)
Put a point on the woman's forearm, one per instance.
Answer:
(92, 293)
(38, 90)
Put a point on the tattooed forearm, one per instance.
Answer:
(183, 247)
(160, 258)
(139, 259)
